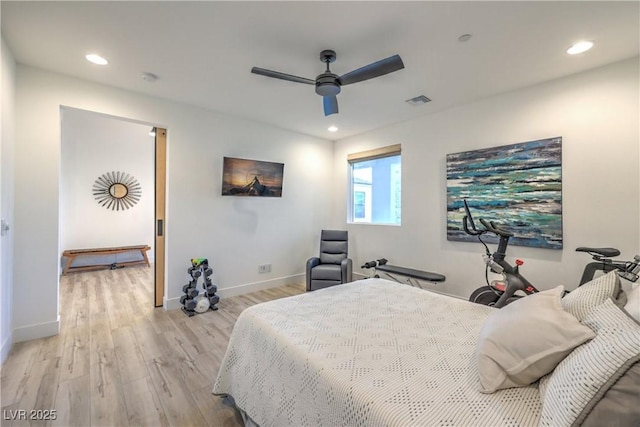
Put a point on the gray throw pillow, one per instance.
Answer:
(525, 340)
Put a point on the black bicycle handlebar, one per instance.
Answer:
(472, 232)
(489, 226)
(468, 215)
(496, 261)
(495, 229)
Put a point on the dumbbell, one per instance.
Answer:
(211, 290)
(208, 271)
(213, 300)
(207, 282)
(190, 304)
(196, 273)
(184, 298)
(190, 285)
(191, 292)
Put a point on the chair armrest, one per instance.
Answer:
(346, 266)
(311, 262)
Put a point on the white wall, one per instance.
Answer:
(7, 94)
(596, 113)
(236, 234)
(94, 144)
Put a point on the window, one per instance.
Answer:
(375, 186)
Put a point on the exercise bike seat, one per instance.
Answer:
(605, 252)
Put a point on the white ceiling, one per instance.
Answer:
(203, 51)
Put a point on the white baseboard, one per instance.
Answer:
(32, 332)
(170, 303)
(259, 286)
(6, 348)
(174, 303)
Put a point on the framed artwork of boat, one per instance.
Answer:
(252, 178)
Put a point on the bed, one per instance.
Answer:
(370, 353)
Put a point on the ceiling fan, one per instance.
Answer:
(328, 84)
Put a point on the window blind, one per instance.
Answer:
(377, 153)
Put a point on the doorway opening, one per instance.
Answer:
(112, 191)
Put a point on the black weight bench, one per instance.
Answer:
(412, 275)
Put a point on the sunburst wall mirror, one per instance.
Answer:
(117, 190)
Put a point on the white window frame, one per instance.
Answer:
(378, 153)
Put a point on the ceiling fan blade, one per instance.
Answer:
(375, 69)
(283, 76)
(330, 105)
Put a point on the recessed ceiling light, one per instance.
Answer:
(332, 129)
(464, 37)
(580, 47)
(96, 59)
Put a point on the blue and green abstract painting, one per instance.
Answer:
(518, 186)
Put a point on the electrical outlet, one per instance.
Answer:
(264, 268)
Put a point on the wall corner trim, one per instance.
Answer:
(40, 330)
(6, 348)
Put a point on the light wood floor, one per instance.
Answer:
(119, 362)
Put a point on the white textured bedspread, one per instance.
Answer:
(368, 353)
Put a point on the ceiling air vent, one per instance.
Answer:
(418, 100)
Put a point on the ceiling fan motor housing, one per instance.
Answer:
(327, 84)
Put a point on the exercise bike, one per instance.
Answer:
(603, 261)
(497, 293)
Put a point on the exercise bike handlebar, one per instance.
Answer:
(495, 229)
(496, 262)
(473, 231)
(489, 226)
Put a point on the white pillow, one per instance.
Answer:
(580, 301)
(584, 376)
(633, 303)
(525, 340)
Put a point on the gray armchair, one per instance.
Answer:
(333, 266)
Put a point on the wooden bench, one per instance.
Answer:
(72, 254)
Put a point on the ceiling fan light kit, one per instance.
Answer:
(328, 84)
